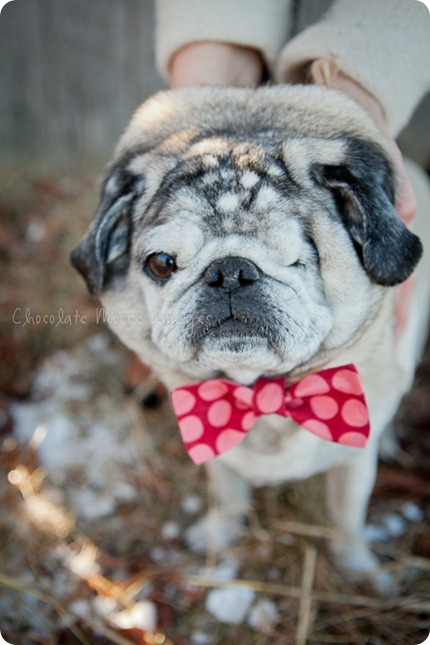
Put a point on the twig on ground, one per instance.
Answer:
(308, 578)
(414, 604)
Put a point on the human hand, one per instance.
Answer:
(215, 64)
(406, 204)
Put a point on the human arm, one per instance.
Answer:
(380, 50)
(379, 54)
(383, 45)
(227, 42)
(406, 204)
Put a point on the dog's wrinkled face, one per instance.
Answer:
(246, 251)
(242, 289)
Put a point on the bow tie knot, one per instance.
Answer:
(215, 415)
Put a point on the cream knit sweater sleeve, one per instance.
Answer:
(259, 24)
(382, 44)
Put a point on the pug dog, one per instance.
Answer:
(245, 235)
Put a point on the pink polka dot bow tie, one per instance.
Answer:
(214, 416)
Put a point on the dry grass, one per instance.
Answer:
(62, 576)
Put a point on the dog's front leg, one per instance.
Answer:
(229, 501)
(348, 490)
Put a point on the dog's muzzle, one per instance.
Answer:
(232, 302)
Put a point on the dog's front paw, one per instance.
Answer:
(359, 564)
(213, 532)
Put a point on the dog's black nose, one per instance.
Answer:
(231, 273)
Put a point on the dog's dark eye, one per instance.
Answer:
(160, 266)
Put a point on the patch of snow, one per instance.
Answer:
(98, 343)
(88, 448)
(142, 615)
(36, 230)
(104, 606)
(225, 570)
(230, 605)
(412, 512)
(264, 615)
(395, 525)
(170, 531)
(191, 504)
(376, 533)
(80, 608)
(158, 554)
(201, 638)
(82, 563)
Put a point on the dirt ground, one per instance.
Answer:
(96, 490)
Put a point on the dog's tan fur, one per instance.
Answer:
(311, 128)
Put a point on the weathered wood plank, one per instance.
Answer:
(71, 73)
(21, 99)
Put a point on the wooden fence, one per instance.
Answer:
(73, 71)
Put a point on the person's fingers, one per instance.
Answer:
(406, 204)
(402, 305)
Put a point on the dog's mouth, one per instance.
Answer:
(232, 328)
(237, 316)
(241, 349)
(231, 333)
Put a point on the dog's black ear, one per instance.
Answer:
(364, 194)
(103, 252)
